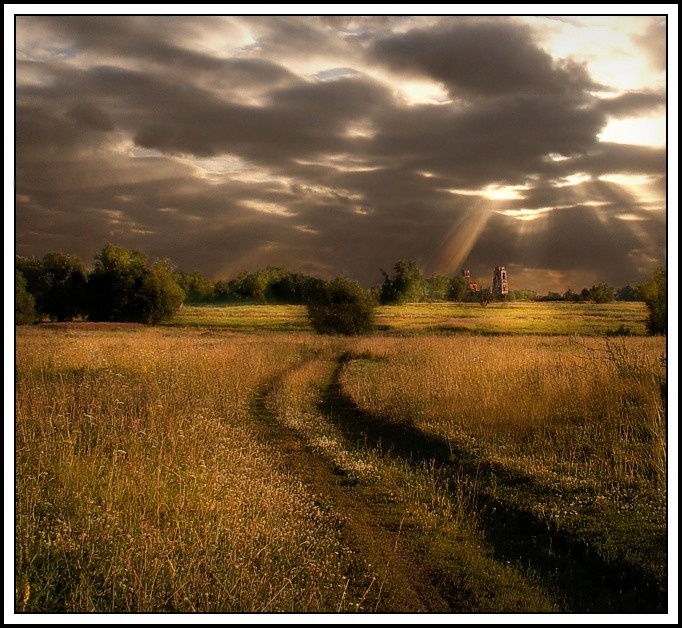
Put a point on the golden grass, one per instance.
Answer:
(574, 409)
(143, 485)
(584, 419)
(140, 486)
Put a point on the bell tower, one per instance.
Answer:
(500, 282)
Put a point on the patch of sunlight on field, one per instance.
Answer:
(440, 318)
(514, 318)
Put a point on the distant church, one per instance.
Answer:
(473, 287)
(500, 283)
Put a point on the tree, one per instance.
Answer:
(24, 303)
(57, 282)
(197, 288)
(485, 296)
(251, 285)
(631, 292)
(406, 287)
(569, 295)
(602, 293)
(124, 287)
(288, 287)
(437, 288)
(655, 295)
(459, 289)
(340, 306)
(522, 295)
(221, 291)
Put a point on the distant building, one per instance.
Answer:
(500, 282)
(466, 273)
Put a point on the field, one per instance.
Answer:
(438, 318)
(232, 461)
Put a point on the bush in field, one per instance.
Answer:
(124, 287)
(340, 307)
(24, 303)
(655, 294)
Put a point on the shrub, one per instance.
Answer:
(340, 307)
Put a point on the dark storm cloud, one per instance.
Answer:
(482, 57)
(92, 117)
(232, 161)
(632, 104)
(504, 139)
(609, 157)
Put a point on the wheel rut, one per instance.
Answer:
(398, 582)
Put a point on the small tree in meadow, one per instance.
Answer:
(340, 307)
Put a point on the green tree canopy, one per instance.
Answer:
(459, 289)
(57, 282)
(437, 288)
(602, 293)
(407, 286)
(197, 288)
(125, 287)
(631, 292)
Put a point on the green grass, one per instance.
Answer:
(441, 318)
(243, 318)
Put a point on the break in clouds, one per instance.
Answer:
(337, 146)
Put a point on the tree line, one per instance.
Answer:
(125, 286)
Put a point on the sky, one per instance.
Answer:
(336, 146)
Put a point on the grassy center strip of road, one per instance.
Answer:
(416, 541)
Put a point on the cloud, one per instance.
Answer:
(232, 143)
(481, 57)
(631, 104)
(91, 117)
(654, 42)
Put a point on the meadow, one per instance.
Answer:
(232, 461)
(521, 317)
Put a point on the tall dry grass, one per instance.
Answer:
(571, 430)
(140, 486)
(567, 410)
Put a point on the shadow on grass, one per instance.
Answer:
(582, 580)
